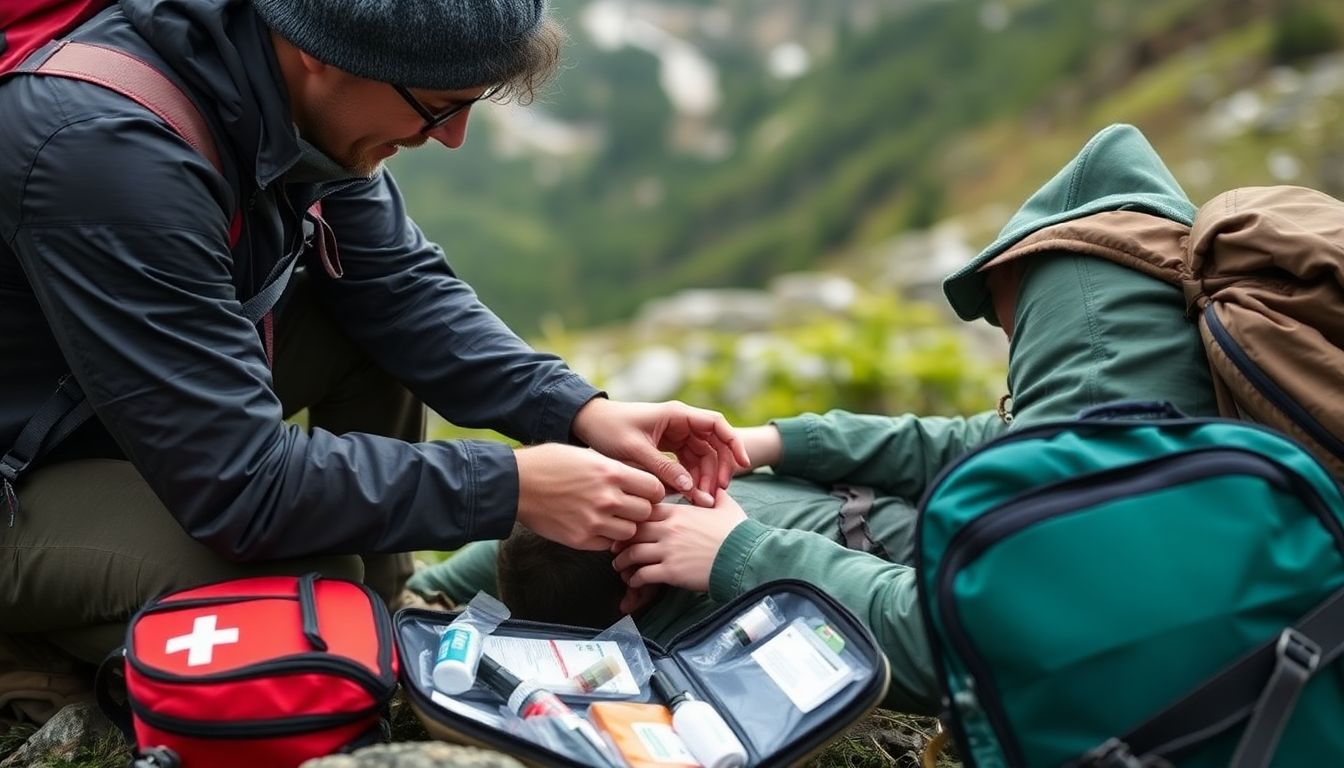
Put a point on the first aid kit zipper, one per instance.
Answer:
(254, 729)
(377, 684)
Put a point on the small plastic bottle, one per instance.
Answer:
(455, 663)
(462, 641)
(753, 624)
(700, 727)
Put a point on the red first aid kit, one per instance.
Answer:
(262, 672)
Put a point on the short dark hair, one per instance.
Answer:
(540, 580)
(534, 63)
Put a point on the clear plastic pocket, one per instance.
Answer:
(780, 671)
(613, 665)
(773, 684)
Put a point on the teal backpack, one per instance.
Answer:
(1136, 588)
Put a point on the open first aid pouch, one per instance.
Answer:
(767, 679)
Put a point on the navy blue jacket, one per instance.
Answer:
(115, 264)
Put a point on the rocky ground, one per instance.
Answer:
(80, 737)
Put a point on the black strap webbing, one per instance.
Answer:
(109, 686)
(67, 408)
(61, 414)
(256, 307)
(1262, 685)
(857, 502)
(1296, 658)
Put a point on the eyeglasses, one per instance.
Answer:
(433, 120)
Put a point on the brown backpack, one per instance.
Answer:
(1263, 274)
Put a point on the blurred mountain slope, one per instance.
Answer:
(719, 144)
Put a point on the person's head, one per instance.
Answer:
(540, 580)
(366, 77)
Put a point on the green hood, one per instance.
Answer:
(1117, 170)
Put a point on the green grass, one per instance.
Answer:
(108, 751)
(13, 738)
(881, 740)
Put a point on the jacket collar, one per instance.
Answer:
(223, 51)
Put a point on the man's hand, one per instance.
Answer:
(581, 498)
(707, 450)
(677, 544)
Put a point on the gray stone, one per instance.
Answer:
(731, 310)
(416, 754)
(805, 292)
(75, 726)
(655, 374)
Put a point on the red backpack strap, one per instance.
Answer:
(138, 81)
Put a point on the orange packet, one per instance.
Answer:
(642, 733)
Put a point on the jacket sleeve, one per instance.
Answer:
(123, 237)
(881, 594)
(469, 570)
(896, 455)
(400, 301)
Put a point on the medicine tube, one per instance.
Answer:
(560, 727)
(701, 728)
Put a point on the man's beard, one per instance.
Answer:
(368, 167)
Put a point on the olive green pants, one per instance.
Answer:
(94, 543)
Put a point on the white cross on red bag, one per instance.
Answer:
(200, 643)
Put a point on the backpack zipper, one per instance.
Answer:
(1266, 386)
(1080, 494)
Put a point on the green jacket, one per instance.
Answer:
(1086, 332)
(776, 501)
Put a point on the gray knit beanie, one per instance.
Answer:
(436, 44)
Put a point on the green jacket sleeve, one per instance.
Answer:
(468, 571)
(895, 455)
(880, 593)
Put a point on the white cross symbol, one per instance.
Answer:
(200, 644)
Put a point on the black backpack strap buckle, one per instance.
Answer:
(1115, 753)
(156, 757)
(1296, 648)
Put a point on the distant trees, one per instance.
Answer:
(884, 355)
(1302, 29)
(866, 145)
